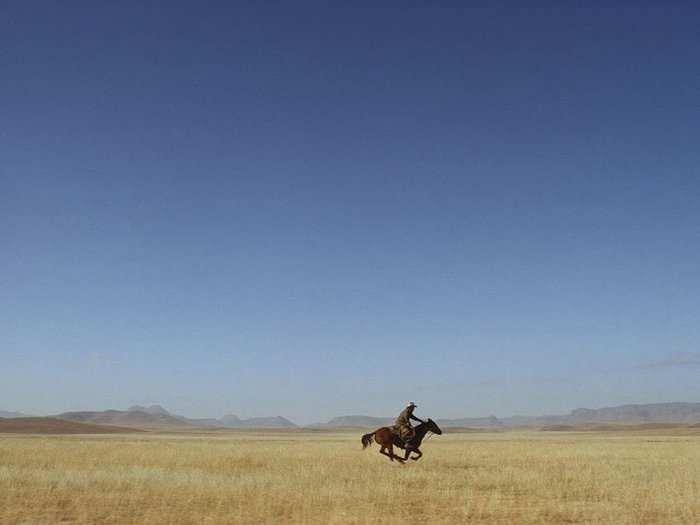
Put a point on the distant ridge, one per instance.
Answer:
(51, 425)
(158, 418)
(10, 415)
(641, 414)
(359, 421)
(233, 421)
(472, 422)
(267, 422)
(375, 422)
(652, 413)
(612, 427)
(154, 410)
(134, 418)
(227, 421)
(662, 413)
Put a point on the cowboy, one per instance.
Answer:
(403, 424)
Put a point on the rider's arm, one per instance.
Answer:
(416, 419)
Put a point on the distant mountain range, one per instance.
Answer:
(154, 410)
(125, 418)
(10, 415)
(685, 413)
(52, 425)
(374, 422)
(232, 421)
(156, 417)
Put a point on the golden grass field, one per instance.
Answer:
(317, 477)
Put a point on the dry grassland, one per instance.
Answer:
(507, 478)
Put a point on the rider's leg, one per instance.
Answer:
(408, 438)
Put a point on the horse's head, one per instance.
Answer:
(433, 427)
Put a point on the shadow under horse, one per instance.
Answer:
(387, 440)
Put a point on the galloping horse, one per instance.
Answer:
(386, 439)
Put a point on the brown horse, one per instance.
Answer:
(386, 439)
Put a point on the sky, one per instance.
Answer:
(314, 210)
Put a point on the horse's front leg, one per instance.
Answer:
(417, 451)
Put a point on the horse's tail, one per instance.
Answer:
(367, 440)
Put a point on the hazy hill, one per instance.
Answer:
(156, 417)
(360, 421)
(153, 410)
(157, 410)
(230, 420)
(533, 421)
(227, 421)
(682, 413)
(50, 425)
(652, 413)
(471, 422)
(205, 422)
(375, 422)
(621, 414)
(10, 415)
(133, 418)
(268, 422)
(233, 421)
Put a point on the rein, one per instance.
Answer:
(428, 434)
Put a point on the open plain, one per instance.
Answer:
(632, 477)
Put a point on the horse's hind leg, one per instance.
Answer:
(391, 451)
(383, 451)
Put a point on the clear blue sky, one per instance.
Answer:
(314, 211)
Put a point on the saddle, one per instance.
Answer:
(396, 431)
